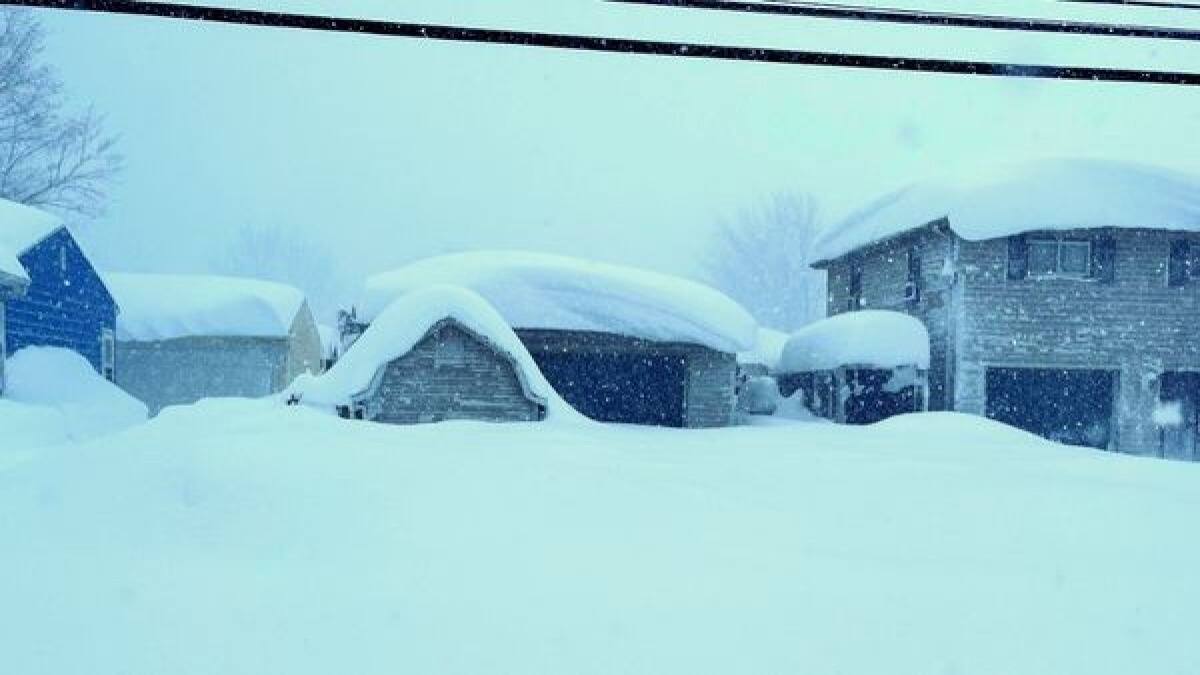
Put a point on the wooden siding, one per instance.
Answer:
(62, 307)
(1135, 325)
(184, 370)
(450, 374)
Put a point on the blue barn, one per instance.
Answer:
(62, 301)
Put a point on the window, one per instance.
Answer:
(1193, 262)
(108, 354)
(854, 295)
(912, 284)
(1061, 258)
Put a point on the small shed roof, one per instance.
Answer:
(21, 228)
(398, 328)
(1008, 199)
(542, 291)
(166, 306)
(867, 338)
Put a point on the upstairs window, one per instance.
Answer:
(1060, 258)
(854, 294)
(1183, 263)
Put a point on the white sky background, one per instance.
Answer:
(390, 149)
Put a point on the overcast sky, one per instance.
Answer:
(387, 149)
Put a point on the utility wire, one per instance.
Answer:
(591, 43)
(1162, 4)
(924, 18)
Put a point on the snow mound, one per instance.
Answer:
(535, 290)
(399, 327)
(166, 306)
(873, 338)
(21, 227)
(768, 348)
(66, 388)
(1048, 194)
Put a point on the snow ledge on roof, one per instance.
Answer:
(543, 291)
(866, 338)
(168, 306)
(1008, 199)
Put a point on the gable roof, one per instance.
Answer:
(167, 306)
(21, 228)
(403, 324)
(1008, 199)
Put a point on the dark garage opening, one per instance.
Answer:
(619, 387)
(1180, 435)
(1065, 405)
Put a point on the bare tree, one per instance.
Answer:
(288, 256)
(48, 157)
(760, 258)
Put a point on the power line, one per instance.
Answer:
(1161, 4)
(591, 43)
(924, 18)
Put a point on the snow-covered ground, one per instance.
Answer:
(250, 537)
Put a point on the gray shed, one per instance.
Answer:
(182, 338)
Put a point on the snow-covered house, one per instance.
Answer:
(1061, 296)
(858, 367)
(181, 338)
(619, 344)
(435, 354)
(50, 293)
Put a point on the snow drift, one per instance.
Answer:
(870, 337)
(166, 306)
(401, 325)
(1049, 194)
(63, 399)
(535, 290)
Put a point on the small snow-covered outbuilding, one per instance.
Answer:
(859, 367)
(181, 338)
(439, 353)
(50, 294)
(619, 344)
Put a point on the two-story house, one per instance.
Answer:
(1061, 296)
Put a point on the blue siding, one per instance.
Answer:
(62, 308)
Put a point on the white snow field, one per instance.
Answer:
(539, 290)
(987, 202)
(249, 537)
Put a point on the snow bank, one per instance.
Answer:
(166, 306)
(1050, 194)
(239, 537)
(768, 348)
(21, 227)
(534, 290)
(875, 338)
(63, 385)
(401, 325)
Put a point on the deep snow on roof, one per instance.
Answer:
(166, 306)
(873, 338)
(398, 328)
(21, 227)
(768, 348)
(535, 290)
(1047, 194)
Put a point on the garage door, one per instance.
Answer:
(1068, 406)
(619, 387)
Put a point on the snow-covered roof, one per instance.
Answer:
(535, 290)
(871, 338)
(21, 227)
(768, 348)
(398, 328)
(1048, 194)
(166, 306)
